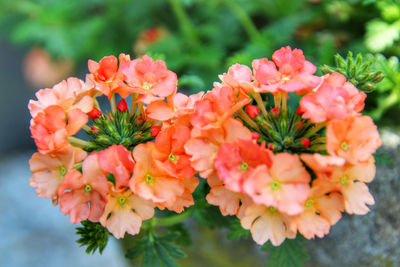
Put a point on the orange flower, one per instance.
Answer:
(335, 99)
(354, 139)
(124, 212)
(151, 79)
(107, 75)
(267, 223)
(51, 128)
(83, 195)
(150, 182)
(118, 161)
(239, 77)
(70, 94)
(284, 185)
(49, 170)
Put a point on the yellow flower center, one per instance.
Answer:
(149, 179)
(87, 188)
(62, 171)
(122, 201)
(172, 157)
(244, 166)
(273, 210)
(343, 180)
(146, 86)
(344, 146)
(275, 185)
(309, 203)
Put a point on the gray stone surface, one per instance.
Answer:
(33, 233)
(372, 239)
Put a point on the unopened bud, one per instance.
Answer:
(255, 136)
(95, 129)
(252, 111)
(155, 130)
(139, 120)
(305, 142)
(95, 113)
(275, 112)
(122, 106)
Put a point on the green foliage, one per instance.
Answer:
(357, 70)
(236, 231)
(382, 158)
(157, 251)
(92, 235)
(291, 253)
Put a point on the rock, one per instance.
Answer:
(372, 239)
(36, 234)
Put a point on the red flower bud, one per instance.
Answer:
(255, 136)
(299, 111)
(139, 120)
(94, 114)
(155, 130)
(299, 124)
(95, 129)
(271, 147)
(252, 111)
(122, 106)
(275, 112)
(306, 142)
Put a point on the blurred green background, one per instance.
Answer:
(45, 41)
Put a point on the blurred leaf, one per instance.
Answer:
(381, 35)
(236, 231)
(290, 253)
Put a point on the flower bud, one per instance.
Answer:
(95, 113)
(255, 136)
(155, 130)
(95, 129)
(139, 120)
(305, 142)
(275, 112)
(252, 111)
(122, 106)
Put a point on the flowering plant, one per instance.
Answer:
(272, 169)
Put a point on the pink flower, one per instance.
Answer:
(49, 170)
(83, 195)
(51, 128)
(107, 75)
(70, 94)
(322, 164)
(150, 182)
(354, 139)
(125, 212)
(238, 77)
(284, 185)
(294, 73)
(235, 161)
(151, 79)
(335, 99)
(118, 161)
(267, 223)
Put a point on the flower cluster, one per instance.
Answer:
(281, 169)
(131, 162)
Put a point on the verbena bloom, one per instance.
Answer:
(51, 128)
(69, 94)
(48, 171)
(335, 99)
(83, 195)
(151, 79)
(238, 77)
(150, 182)
(235, 161)
(354, 139)
(107, 75)
(266, 223)
(118, 161)
(288, 72)
(284, 185)
(124, 213)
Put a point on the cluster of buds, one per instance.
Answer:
(280, 168)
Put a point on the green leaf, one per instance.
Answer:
(236, 231)
(290, 253)
(93, 235)
(381, 35)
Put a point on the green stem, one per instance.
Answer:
(244, 19)
(260, 103)
(77, 142)
(133, 104)
(113, 104)
(185, 25)
(171, 220)
(246, 118)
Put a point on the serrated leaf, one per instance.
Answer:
(290, 253)
(92, 235)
